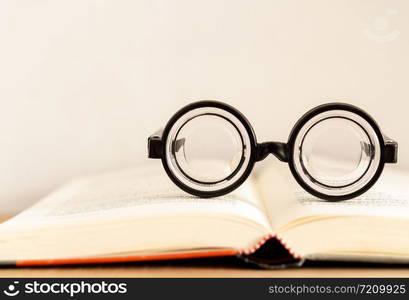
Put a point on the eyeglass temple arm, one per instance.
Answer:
(391, 149)
(155, 145)
(278, 149)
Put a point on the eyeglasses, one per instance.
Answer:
(335, 151)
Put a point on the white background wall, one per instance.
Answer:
(83, 83)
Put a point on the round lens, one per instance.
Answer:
(336, 152)
(208, 148)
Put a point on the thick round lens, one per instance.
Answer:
(336, 152)
(208, 148)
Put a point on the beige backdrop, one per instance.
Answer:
(83, 83)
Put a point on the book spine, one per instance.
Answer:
(271, 252)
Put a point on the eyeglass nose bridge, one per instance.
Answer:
(278, 149)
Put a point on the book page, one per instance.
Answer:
(135, 210)
(139, 192)
(287, 201)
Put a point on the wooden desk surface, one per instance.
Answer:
(206, 268)
(197, 270)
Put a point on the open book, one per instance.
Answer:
(138, 214)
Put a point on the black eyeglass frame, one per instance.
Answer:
(283, 151)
